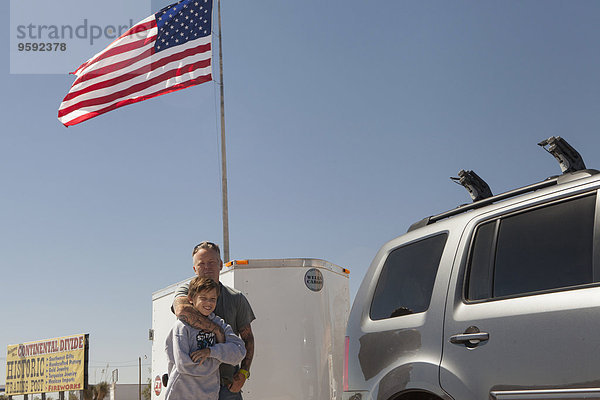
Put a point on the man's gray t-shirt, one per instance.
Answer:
(234, 308)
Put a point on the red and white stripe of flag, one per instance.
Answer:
(129, 70)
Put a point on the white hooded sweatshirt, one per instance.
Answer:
(192, 381)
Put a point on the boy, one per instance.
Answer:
(195, 355)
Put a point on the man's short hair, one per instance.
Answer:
(207, 246)
(198, 285)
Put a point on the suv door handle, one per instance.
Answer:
(471, 338)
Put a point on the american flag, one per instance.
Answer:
(165, 52)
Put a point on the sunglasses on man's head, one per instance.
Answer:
(206, 245)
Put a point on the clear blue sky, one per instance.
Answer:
(344, 121)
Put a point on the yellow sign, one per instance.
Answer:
(51, 365)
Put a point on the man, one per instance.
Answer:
(232, 306)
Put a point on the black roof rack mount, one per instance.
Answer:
(477, 187)
(568, 158)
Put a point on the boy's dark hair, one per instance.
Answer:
(198, 285)
(208, 246)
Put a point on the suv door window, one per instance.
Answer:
(406, 280)
(545, 248)
(481, 272)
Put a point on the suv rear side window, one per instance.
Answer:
(406, 280)
(546, 248)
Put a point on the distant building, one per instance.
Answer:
(125, 391)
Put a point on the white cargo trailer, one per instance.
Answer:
(301, 307)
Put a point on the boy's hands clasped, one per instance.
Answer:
(200, 355)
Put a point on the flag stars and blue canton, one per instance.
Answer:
(181, 23)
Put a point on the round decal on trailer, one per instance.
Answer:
(313, 279)
(157, 385)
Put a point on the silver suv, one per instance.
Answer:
(496, 299)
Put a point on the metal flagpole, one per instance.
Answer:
(139, 378)
(223, 153)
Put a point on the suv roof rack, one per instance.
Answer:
(570, 161)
